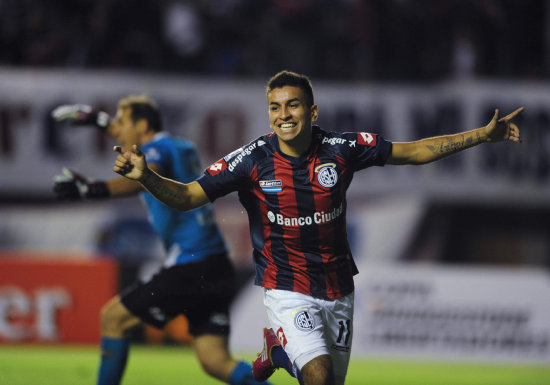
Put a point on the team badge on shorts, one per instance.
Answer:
(304, 321)
(326, 174)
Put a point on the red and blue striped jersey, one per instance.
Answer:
(297, 207)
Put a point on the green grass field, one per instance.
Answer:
(62, 365)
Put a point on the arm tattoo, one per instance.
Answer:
(451, 144)
(167, 193)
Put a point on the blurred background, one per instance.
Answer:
(453, 256)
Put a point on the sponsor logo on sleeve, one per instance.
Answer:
(217, 167)
(238, 155)
(232, 154)
(271, 186)
(366, 139)
(333, 141)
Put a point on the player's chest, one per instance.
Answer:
(318, 176)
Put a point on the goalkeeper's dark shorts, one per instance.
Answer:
(201, 291)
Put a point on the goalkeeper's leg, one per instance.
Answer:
(216, 360)
(115, 321)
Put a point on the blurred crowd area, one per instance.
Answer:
(372, 40)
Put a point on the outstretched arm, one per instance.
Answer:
(121, 187)
(71, 185)
(132, 165)
(432, 149)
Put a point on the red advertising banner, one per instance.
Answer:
(53, 300)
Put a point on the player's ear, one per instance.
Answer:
(142, 125)
(314, 112)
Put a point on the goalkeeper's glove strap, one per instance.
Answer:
(97, 190)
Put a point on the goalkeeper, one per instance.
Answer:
(197, 276)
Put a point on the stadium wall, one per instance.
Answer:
(53, 298)
(434, 313)
(221, 115)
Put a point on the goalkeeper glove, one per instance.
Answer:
(81, 115)
(72, 186)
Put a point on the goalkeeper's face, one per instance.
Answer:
(124, 130)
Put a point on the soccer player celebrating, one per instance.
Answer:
(293, 185)
(196, 278)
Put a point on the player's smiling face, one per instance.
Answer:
(290, 117)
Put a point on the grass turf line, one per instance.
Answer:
(70, 365)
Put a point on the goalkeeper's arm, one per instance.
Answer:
(70, 186)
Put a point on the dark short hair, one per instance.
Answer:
(143, 107)
(289, 78)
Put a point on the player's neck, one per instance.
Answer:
(297, 146)
(147, 137)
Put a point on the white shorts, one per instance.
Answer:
(309, 327)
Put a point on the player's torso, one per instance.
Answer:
(192, 232)
(302, 201)
(302, 193)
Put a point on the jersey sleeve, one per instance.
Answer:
(368, 150)
(230, 173)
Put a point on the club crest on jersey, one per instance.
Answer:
(326, 174)
(217, 167)
(304, 321)
(366, 139)
(271, 186)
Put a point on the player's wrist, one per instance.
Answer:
(97, 190)
(70, 186)
(146, 177)
(102, 121)
(482, 134)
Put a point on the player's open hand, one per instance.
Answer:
(130, 164)
(500, 129)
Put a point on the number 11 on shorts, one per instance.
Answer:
(344, 332)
